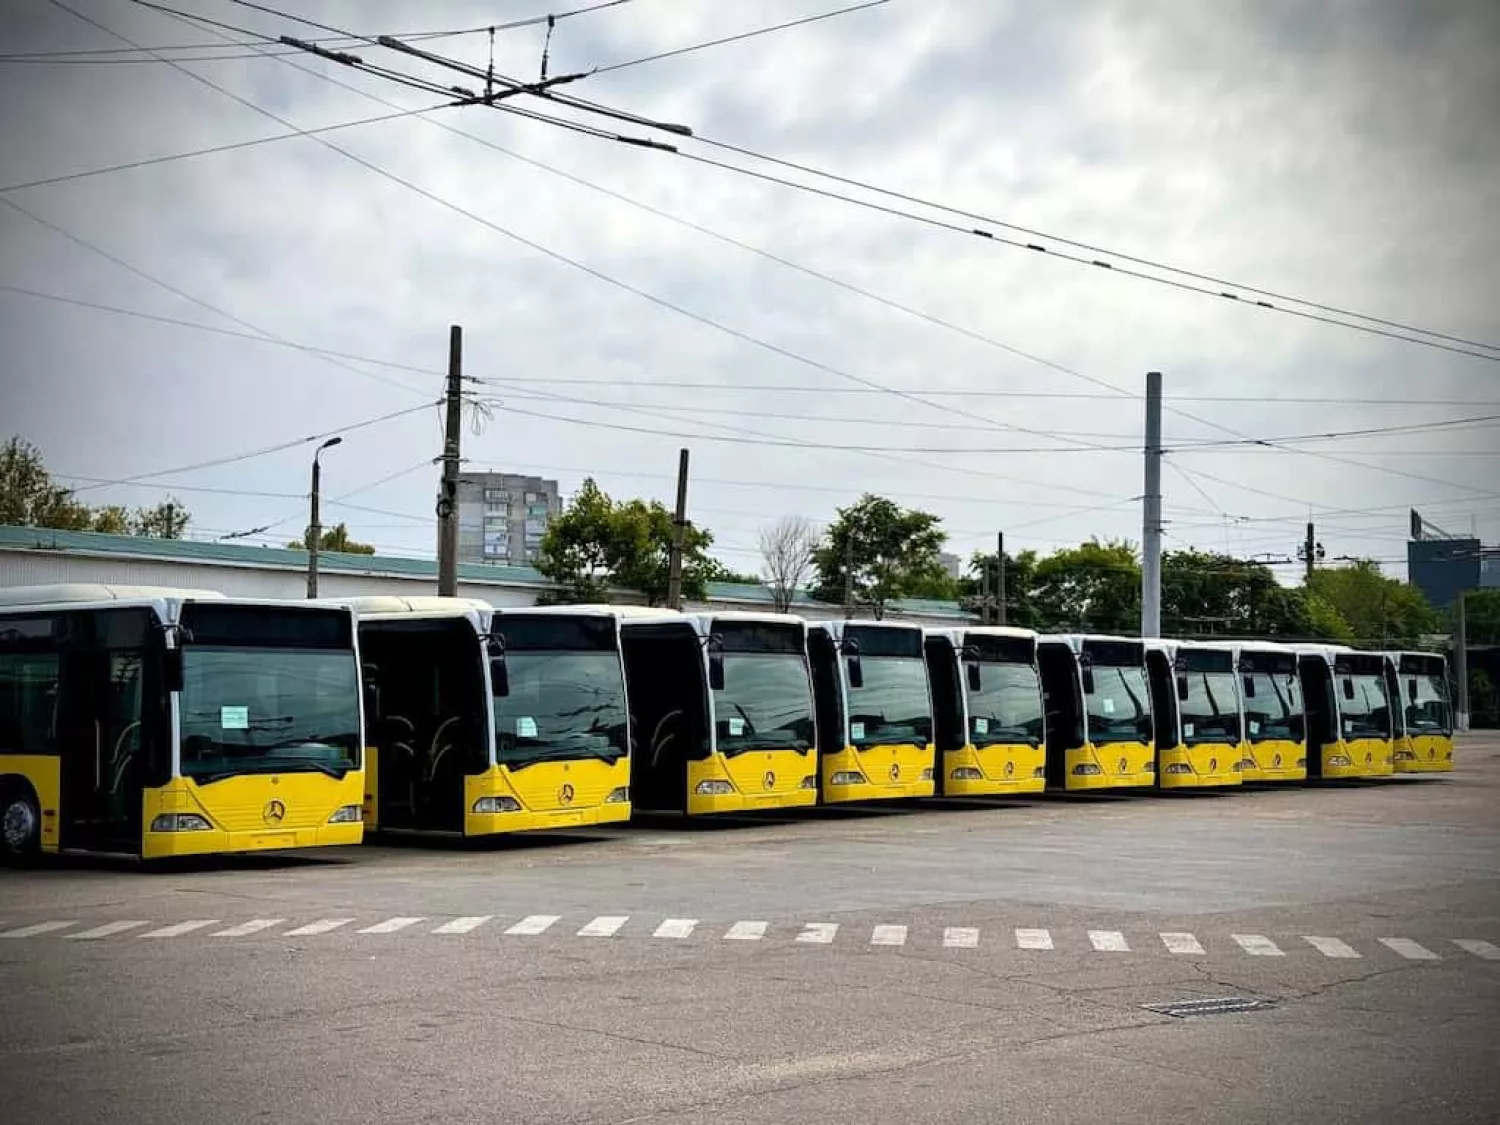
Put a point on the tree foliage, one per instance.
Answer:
(29, 497)
(786, 553)
(598, 543)
(894, 554)
(1482, 617)
(335, 540)
(1379, 610)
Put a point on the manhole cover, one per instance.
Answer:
(1218, 1006)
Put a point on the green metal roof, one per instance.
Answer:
(332, 562)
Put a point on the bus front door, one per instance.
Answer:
(100, 735)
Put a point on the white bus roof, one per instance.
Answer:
(704, 622)
(1264, 646)
(956, 633)
(1075, 640)
(836, 628)
(593, 609)
(97, 593)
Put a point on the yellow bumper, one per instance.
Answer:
(253, 814)
(994, 770)
(756, 779)
(571, 794)
(1207, 765)
(1360, 757)
(1115, 765)
(878, 773)
(1275, 760)
(1425, 753)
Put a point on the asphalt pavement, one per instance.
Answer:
(975, 961)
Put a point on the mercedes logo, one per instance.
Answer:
(1010, 768)
(565, 794)
(1124, 765)
(1213, 764)
(895, 771)
(769, 780)
(1276, 761)
(274, 812)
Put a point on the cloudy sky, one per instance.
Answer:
(1344, 152)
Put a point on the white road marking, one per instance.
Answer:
(176, 929)
(37, 929)
(1109, 941)
(534, 924)
(1257, 945)
(746, 931)
(321, 926)
(888, 935)
(676, 928)
(961, 937)
(1487, 950)
(463, 925)
(389, 926)
(109, 929)
(606, 925)
(1033, 939)
(1408, 949)
(254, 926)
(818, 933)
(1182, 943)
(1332, 947)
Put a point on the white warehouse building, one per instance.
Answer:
(32, 556)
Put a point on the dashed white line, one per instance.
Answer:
(1033, 939)
(534, 924)
(1257, 945)
(676, 928)
(463, 925)
(746, 931)
(254, 926)
(321, 926)
(109, 929)
(818, 933)
(177, 929)
(961, 937)
(888, 935)
(1485, 949)
(1409, 949)
(606, 925)
(389, 926)
(37, 929)
(1182, 943)
(1109, 941)
(1332, 947)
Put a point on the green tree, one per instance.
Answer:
(111, 519)
(334, 539)
(894, 552)
(29, 497)
(1482, 617)
(1094, 586)
(1020, 584)
(715, 571)
(1207, 593)
(167, 520)
(1378, 609)
(598, 543)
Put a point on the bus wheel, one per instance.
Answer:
(20, 822)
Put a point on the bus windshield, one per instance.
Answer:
(268, 710)
(1119, 707)
(1271, 712)
(1427, 710)
(892, 705)
(1366, 714)
(1007, 708)
(1210, 713)
(765, 704)
(562, 704)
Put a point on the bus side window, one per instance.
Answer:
(28, 700)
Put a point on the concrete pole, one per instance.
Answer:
(679, 532)
(453, 436)
(1460, 665)
(1151, 526)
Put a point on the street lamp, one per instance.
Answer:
(315, 531)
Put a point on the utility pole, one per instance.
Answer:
(315, 525)
(984, 595)
(1151, 522)
(1461, 663)
(849, 576)
(1309, 552)
(447, 505)
(1000, 615)
(679, 532)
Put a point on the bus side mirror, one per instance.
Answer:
(370, 686)
(1249, 682)
(1411, 689)
(172, 669)
(1348, 688)
(716, 663)
(972, 671)
(499, 672)
(856, 673)
(1182, 688)
(1088, 679)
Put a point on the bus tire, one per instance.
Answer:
(20, 821)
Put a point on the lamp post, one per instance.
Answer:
(315, 530)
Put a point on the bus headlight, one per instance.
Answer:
(1040, 771)
(348, 814)
(1301, 763)
(618, 796)
(966, 773)
(847, 777)
(810, 781)
(1245, 764)
(714, 787)
(1149, 767)
(181, 822)
(1405, 756)
(497, 805)
(1175, 768)
(1339, 760)
(1087, 769)
(926, 775)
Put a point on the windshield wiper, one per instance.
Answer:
(761, 742)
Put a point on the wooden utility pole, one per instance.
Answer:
(1000, 615)
(447, 505)
(679, 533)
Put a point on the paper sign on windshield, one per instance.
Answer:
(981, 726)
(736, 727)
(1254, 726)
(234, 718)
(525, 727)
(1109, 705)
(1187, 730)
(856, 730)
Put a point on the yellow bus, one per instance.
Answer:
(157, 722)
(1275, 723)
(1195, 698)
(988, 720)
(490, 721)
(1100, 732)
(1424, 714)
(722, 706)
(874, 711)
(1349, 713)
